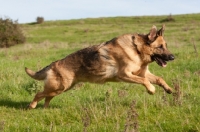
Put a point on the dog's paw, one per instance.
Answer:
(30, 106)
(169, 90)
(151, 90)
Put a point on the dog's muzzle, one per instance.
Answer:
(171, 57)
(161, 60)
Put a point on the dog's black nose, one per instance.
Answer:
(171, 57)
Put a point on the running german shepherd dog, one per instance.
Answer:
(124, 58)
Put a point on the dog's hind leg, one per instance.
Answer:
(52, 87)
(47, 101)
(48, 94)
(53, 94)
(39, 96)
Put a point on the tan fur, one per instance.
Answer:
(124, 58)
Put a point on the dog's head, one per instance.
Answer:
(156, 47)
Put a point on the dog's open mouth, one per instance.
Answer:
(160, 61)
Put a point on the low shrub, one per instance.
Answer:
(40, 20)
(168, 19)
(10, 33)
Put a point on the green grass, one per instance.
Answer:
(95, 107)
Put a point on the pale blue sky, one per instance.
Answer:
(27, 10)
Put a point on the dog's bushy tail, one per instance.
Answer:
(39, 75)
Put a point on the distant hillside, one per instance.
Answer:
(96, 30)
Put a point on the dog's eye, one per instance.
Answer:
(161, 46)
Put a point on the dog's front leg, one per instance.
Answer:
(158, 81)
(129, 77)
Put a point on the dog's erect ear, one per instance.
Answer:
(161, 31)
(153, 33)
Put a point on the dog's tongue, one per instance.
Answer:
(161, 62)
(164, 65)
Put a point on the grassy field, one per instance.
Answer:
(112, 107)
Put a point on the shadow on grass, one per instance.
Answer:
(32, 23)
(23, 104)
(17, 105)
